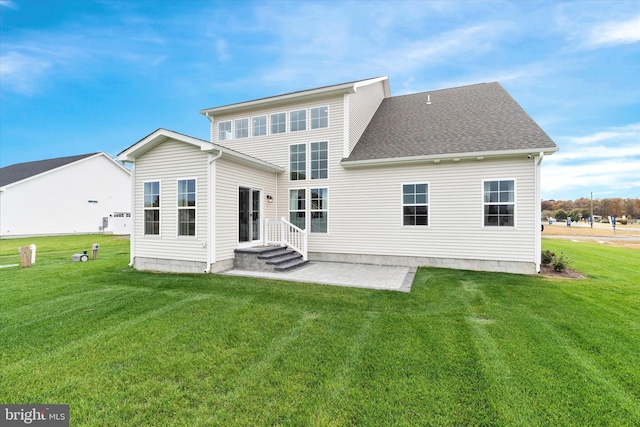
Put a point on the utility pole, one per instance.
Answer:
(592, 209)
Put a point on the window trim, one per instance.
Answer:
(271, 123)
(310, 168)
(306, 120)
(403, 204)
(289, 210)
(266, 125)
(179, 208)
(311, 211)
(145, 209)
(230, 130)
(311, 119)
(515, 204)
(306, 161)
(235, 128)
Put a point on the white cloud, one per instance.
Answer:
(21, 72)
(613, 33)
(7, 3)
(626, 133)
(223, 50)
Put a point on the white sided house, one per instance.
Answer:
(65, 195)
(447, 178)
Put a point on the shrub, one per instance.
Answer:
(547, 257)
(560, 262)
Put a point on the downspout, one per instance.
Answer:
(538, 238)
(132, 238)
(212, 210)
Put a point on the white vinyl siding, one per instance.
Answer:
(455, 229)
(167, 163)
(362, 106)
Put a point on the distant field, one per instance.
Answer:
(602, 233)
(124, 347)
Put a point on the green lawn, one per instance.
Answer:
(123, 347)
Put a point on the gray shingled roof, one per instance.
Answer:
(19, 171)
(468, 119)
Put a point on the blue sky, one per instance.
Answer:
(84, 76)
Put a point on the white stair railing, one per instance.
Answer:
(282, 232)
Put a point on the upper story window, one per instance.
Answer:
(415, 204)
(297, 162)
(152, 208)
(187, 207)
(242, 128)
(259, 126)
(298, 120)
(279, 123)
(224, 130)
(499, 203)
(319, 160)
(319, 117)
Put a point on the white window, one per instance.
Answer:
(224, 130)
(319, 117)
(242, 128)
(499, 203)
(279, 123)
(319, 167)
(297, 207)
(297, 162)
(152, 208)
(187, 207)
(415, 204)
(259, 126)
(298, 120)
(319, 210)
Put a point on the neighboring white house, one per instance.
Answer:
(65, 195)
(445, 178)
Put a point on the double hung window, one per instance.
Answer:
(314, 205)
(187, 207)
(415, 204)
(499, 203)
(298, 162)
(152, 208)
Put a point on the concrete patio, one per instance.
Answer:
(382, 277)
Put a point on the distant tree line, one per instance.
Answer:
(581, 208)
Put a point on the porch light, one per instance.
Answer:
(269, 198)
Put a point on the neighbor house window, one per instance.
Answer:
(279, 123)
(152, 208)
(319, 117)
(415, 204)
(297, 162)
(242, 128)
(319, 210)
(259, 126)
(297, 207)
(319, 159)
(298, 120)
(187, 207)
(499, 203)
(224, 130)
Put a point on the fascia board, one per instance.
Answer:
(244, 159)
(445, 157)
(275, 100)
(156, 138)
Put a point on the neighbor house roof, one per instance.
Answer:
(21, 171)
(476, 120)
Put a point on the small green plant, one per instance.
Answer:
(560, 262)
(547, 257)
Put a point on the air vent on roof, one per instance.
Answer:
(428, 99)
